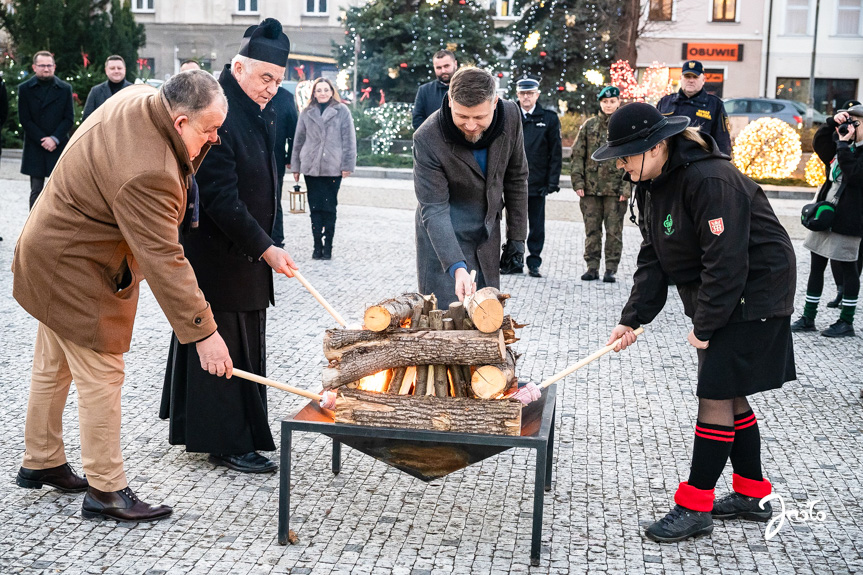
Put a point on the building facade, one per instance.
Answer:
(209, 31)
(760, 48)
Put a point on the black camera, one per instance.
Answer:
(843, 128)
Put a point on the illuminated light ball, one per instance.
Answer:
(532, 40)
(560, 88)
(543, 54)
(815, 175)
(767, 148)
(403, 65)
(500, 74)
(595, 77)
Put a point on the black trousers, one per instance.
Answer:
(323, 195)
(536, 230)
(278, 224)
(36, 185)
(836, 268)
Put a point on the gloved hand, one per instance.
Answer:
(550, 190)
(512, 258)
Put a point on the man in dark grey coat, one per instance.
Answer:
(115, 70)
(430, 95)
(469, 162)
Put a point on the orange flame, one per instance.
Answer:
(376, 382)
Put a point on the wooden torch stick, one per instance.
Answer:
(595, 355)
(320, 299)
(278, 385)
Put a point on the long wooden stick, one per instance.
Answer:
(319, 297)
(595, 355)
(278, 385)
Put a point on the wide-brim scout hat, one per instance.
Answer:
(635, 128)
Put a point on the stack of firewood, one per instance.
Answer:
(414, 348)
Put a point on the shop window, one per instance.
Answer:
(830, 93)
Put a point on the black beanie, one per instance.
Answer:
(267, 43)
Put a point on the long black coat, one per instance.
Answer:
(459, 212)
(543, 149)
(50, 115)
(428, 101)
(237, 182)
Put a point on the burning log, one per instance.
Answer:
(354, 354)
(491, 380)
(485, 309)
(438, 413)
(392, 312)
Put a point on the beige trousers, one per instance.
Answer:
(98, 379)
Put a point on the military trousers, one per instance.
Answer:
(599, 211)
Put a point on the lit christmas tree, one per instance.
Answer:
(570, 44)
(398, 39)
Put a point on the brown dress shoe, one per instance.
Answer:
(121, 505)
(61, 478)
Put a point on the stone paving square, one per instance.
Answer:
(623, 442)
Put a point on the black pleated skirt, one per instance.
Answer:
(211, 414)
(747, 358)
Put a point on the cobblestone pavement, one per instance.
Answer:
(624, 429)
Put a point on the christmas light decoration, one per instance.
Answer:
(815, 174)
(393, 118)
(342, 79)
(595, 77)
(623, 77)
(767, 148)
(532, 41)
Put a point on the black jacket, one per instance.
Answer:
(98, 95)
(849, 210)
(44, 113)
(428, 101)
(286, 124)
(237, 182)
(704, 110)
(543, 149)
(711, 230)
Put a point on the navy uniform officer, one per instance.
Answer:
(544, 152)
(703, 110)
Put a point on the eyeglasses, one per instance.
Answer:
(44, 65)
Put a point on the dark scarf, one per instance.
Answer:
(453, 133)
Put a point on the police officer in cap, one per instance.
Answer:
(544, 152)
(703, 110)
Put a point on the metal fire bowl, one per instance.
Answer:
(426, 454)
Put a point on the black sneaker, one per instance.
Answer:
(839, 329)
(835, 302)
(680, 523)
(590, 275)
(609, 277)
(803, 324)
(737, 506)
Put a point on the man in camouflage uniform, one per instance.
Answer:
(601, 189)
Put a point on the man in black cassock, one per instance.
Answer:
(233, 254)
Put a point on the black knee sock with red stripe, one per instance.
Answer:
(709, 454)
(746, 449)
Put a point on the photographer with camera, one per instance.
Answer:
(838, 144)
